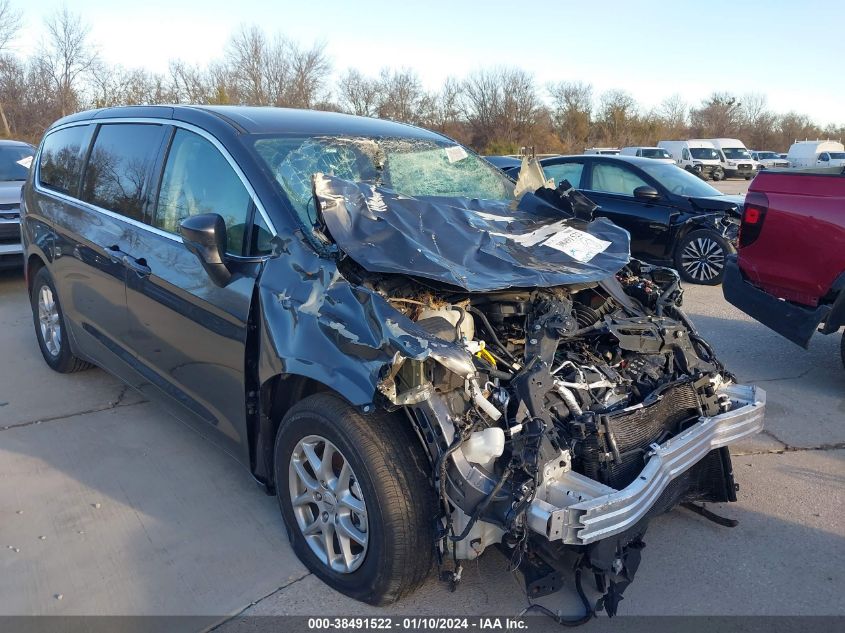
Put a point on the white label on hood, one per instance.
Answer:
(456, 153)
(25, 162)
(577, 244)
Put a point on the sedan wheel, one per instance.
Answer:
(328, 504)
(700, 257)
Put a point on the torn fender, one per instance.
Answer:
(314, 323)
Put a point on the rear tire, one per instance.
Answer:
(50, 326)
(700, 257)
(389, 480)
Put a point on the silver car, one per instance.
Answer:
(15, 159)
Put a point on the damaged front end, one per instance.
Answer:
(586, 412)
(558, 418)
(562, 395)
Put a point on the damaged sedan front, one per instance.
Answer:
(560, 394)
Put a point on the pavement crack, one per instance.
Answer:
(112, 404)
(836, 446)
(290, 583)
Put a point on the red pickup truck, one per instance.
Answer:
(789, 270)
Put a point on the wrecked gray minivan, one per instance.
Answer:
(421, 359)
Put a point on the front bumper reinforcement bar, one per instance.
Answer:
(578, 510)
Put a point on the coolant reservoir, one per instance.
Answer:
(482, 447)
(452, 316)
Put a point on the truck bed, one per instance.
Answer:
(800, 251)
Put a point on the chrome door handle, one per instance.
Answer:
(138, 266)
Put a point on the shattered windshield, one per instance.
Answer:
(410, 167)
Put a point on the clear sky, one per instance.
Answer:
(791, 51)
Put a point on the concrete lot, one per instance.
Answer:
(113, 505)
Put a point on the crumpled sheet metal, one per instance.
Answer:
(478, 245)
(531, 177)
(316, 324)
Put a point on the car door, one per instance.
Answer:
(569, 169)
(95, 215)
(611, 185)
(188, 333)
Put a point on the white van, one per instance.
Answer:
(696, 156)
(655, 153)
(809, 154)
(736, 159)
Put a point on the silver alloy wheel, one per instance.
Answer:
(49, 322)
(703, 259)
(328, 504)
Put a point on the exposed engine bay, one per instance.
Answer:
(561, 394)
(575, 392)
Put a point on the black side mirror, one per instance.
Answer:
(205, 236)
(646, 193)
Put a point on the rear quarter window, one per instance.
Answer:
(60, 164)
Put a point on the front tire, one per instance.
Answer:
(718, 174)
(700, 257)
(50, 326)
(356, 498)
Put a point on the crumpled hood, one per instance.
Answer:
(10, 191)
(479, 245)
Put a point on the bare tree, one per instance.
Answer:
(358, 94)
(190, 84)
(310, 68)
(674, 112)
(115, 85)
(718, 116)
(400, 94)
(66, 56)
(248, 57)
(617, 118)
(500, 106)
(572, 103)
(10, 24)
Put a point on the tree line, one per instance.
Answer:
(494, 110)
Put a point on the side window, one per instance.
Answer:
(824, 157)
(615, 179)
(119, 166)
(198, 179)
(60, 166)
(685, 154)
(565, 171)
